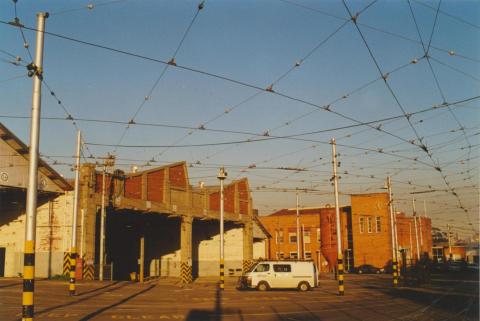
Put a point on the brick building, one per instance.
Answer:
(407, 236)
(319, 241)
(365, 228)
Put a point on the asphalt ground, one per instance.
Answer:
(451, 296)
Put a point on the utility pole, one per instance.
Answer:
(73, 247)
(341, 289)
(222, 175)
(303, 242)
(31, 212)
(449, 243)
(392, 225)
(298, 227)
(142, 259)
(396, 240)
(411, 246)
(416, 230)
(108, 162)
(102, 227)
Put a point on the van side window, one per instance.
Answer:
(282, 268)
(262, 268)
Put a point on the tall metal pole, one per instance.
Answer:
(31, 213)
(73, 248)
(102, 228)
(142, 259)
(392, 225)
(303, 242)
(416, 230)
(221, 176)
(411, 245)
(396, 240)
(449, 244)
(341, 289)
(298, 227)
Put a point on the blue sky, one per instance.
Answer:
(256, 42)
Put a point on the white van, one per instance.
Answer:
(265, 275)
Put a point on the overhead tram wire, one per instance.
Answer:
(450, 52)
(443, 63)
(448, 14)
(90, 6)
(172, 62)
(424, 147)
(427, 56)
(206, 73)
(16, 22)
(259, 92)
(107, 121)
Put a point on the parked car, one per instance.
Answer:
(266, 275)
(455, 266)
(473, 267)
(368, 269)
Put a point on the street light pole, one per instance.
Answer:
(416, 230)
(73, 248)
(222, 175)
(392, 225)
(35, 70)
(298, 227)
(341, 289)
(102, 227)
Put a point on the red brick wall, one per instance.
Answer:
(99, 182)
(177, 176)
(312, 220)
(155, 187)
(133, 187)
(405, 226)
(373, 248)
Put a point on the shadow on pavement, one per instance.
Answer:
(77, 301)
(208, 315)
(95, 313)
(98, 289)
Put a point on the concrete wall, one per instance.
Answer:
(53, 235)
(209, 256)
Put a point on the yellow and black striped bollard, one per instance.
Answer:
(73, 263)
(222, 274)
(341, 288)
(28, 280)
(395, 273)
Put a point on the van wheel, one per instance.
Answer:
(303, 286)
(263, 286)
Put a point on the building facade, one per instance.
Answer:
(366, 233)
(414, 236)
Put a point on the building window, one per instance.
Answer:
(378, 224)
(361, 222)
(308, 255)
(279, 236)
(280, 256)
(319, 239)
(292, 236)
(282, 268)
(306, 236)
(369, 224)
(293, 255)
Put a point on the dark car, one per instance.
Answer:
(368, 269)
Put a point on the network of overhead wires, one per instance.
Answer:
(399, 99)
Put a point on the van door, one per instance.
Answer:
(283, 277)
(262, 272)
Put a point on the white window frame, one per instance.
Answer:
(361, 224)
(369, 224)
(378, 224)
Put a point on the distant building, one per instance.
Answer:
(365, 228)
(408, 236)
